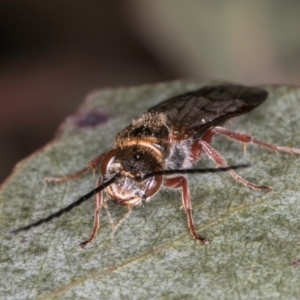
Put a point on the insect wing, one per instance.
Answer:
(193, 113)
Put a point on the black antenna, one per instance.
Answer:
(67, 208)
(192, 171)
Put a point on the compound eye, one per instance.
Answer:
(108, 160)
(154, 185)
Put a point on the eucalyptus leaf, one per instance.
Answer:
(254, 250)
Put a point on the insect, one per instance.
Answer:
(159, 148)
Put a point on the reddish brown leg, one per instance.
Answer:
(245, 139)
(180, 182)
(98, 207)
(92, 165)
(220, 161)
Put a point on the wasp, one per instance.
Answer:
(159, 148)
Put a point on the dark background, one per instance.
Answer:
(53, 53)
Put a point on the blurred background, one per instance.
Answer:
(53, 53)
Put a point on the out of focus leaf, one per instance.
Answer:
(249, 41)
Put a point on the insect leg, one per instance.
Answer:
(110, 219)
(122, 220)
(220, 161)
(180, 182)
(92, 165)
(246, 139)
(98, 207)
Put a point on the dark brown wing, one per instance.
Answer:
(195, 112)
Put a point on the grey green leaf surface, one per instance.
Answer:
(254, 250)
